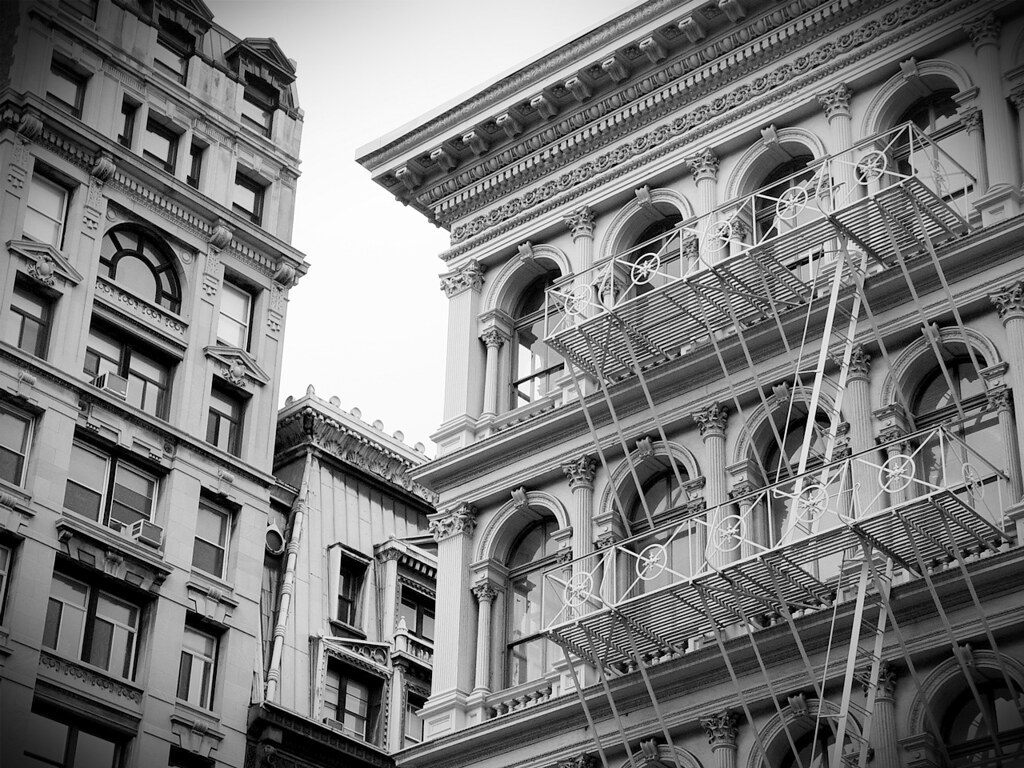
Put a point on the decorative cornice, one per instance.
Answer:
(580, 472)
(835, 101)
(721, 729)
(470, 276)
(711, 420)
(1009, 301)
(703, 165)
(580, 223)
(460, 520)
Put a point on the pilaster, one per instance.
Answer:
(1009, 303)
(465, 359)
(580, 473)
(711, 422)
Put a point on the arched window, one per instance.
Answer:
(965, 725)
(956, 398)
(663, 557)
(666, 254)
(937, 117)
(774, 208)
(142, 264)
(532, 603)
(534, 363)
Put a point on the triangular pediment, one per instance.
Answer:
(46, 265)
(264, 57)
(192, 16)
(238, 365)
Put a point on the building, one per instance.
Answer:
(729, 472)
(349, 613)
(149, 161)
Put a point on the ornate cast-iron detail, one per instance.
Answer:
(721, 729)
(458, 520)
(485, 593)
(711, 420)
(471, 276)
(580, 223)
(703, 165)
(1009, 301)
(580, 472)
(835, 101)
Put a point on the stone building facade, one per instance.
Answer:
(149, 162)
(729, 471)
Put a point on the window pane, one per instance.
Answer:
(45, 738)
(28, 330)
(13, 446)
(93, 752)
(207, 557)
(87, 474)
(234, 316)
(211, 525)
(44, 217)
(137, 276)
(132, 496)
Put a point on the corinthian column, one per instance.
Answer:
(711, 422)
(858, 408)
(580, 473)
(1010, 306)
(722, 732)
(453, 668)
(493, 339)
(836, 104)
(485, 594)
(704, 167)
(883, 720)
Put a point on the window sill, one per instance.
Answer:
(341, 629)
(214, 603)
(101, 549)
(73, 679)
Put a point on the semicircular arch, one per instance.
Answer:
(758, 160)
(516, 274)
(902, 89)
(511, 519)
(633, 218)
(620, 480)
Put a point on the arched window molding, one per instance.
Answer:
(138, 258)
(515, 275)
(799, 717)
(914, 81)
(756, 434)
(670, 756)
(776, 147)
(508, 522)
(635, 216)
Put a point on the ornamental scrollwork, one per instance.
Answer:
(721, 728)
(1009, 301)
(711, 420)
(456, 521)
(580, 472)
(471, 276)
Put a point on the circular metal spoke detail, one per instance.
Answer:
(728, 534)
(645, 268)
(973, 480)
(896, 473)
(579, 589)
(791, 203)
(811, 503)
(577, 300)
(651, 562)
(871, 167)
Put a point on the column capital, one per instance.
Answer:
(494, 338)
(580, 222)
(970, 118)
(711, 420)
(1000, 400)
(860, 363)
(886, 681)
(460, 519)
(836, 101)
(469, 276)
(580, 472)
(1009, 301)
(703, 165)
(983, 30)
(582, 760)
(485, 592)
(1017, 98)
(389, 550)
(721, 729)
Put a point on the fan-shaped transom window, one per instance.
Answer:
(777, 208)
(142, 264)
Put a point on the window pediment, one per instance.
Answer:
(263, 57)
(101, 549)
(371, 657)
(191, 16)
(46, 265)
(238, 366)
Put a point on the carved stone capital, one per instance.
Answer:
(984, 30)
(1009, 301)
(580, 223)
(860, 363)
(458, 520)
(582, 760)
(712, 419)
(703, 165)
(835, 101)
(886, 681)
(721, 729)
(1000, 400)
(970, 118)
(471, 276)
(493, 338)
(485, 593)
(580, 472)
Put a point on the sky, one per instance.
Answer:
(368, 324)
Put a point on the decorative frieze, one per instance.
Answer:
(582, 760)
(460, 520)
(580, 472)
(91, 682)
(470, 276)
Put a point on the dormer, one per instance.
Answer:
(265, 72)
(188, 20)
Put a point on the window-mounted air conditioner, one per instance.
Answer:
(146, 533)
(112, 383)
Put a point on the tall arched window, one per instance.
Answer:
(965, 725)
(534, 363)
(532, 603)
(774, 209)
(662, 253)
(937, 117)
(142, 264)
(661, 558)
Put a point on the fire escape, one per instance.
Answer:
(790, 267)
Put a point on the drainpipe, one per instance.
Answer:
(288, 585)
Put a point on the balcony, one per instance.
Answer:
(887, 199)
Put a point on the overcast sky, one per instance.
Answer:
(368, 322)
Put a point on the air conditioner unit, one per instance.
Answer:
(112, 383)
(146, 533)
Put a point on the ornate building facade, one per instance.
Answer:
(348, 606)
(729, 472)
(149, 160)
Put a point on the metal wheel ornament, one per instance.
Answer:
(719, 234)
(871, 167)
(577, 300)
(651, 562)
(896, 473)
(973, 480)
(645, 268)
(811, 503)
(728, 533)
(579, 589)
(791, 203)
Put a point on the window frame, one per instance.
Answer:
(350, 591)
(66, 72)
(331, 708)
(140, 243)
(215, 419)
(107, 487)
(231, 286)
(41, 323)
(538, 379)
(130, 115)
(531, 641)
(157, 127)
(86, 634)
(6, 566)
(134, 357)
(26, 442)
(258, 190)
(41, 179)
(73, 731)
(421, 607)
(223, 547)
(204, 697)
(196, 155)
(412, 710)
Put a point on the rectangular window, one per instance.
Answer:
(146, 378)
(87, 623)
(29, 330)
(195, 165)
(6, 559)
(160, 144)
(15, 436)
(65, 88)
(418, 612)
(259, 100)
(350, 591)
(46, 211)
(170, 59)
(209, 551)
(108, 490)
(129, 111)
(352, 701)
(55, 741)
(413, 721)
(224, 422)
(248, 198)
(235, 316)
(197, 667)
